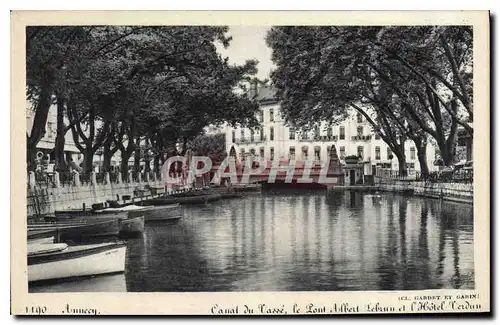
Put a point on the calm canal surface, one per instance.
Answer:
(300, 241)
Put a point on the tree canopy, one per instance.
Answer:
(121, 86)
(409, 82)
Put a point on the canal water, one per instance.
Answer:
(300, 241)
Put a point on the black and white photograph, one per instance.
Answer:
(268, 158)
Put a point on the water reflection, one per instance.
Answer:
(308, 241)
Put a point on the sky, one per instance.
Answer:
(249, 43)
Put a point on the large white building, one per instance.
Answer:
(353, 136)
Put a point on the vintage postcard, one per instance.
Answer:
(250, 163)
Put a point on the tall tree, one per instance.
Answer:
(323, 71)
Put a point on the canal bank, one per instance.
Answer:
(45, 200)
(454, 192)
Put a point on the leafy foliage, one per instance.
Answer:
(408, 82)
(123, 85)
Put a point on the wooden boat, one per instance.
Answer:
(194, 199)
(99, 228)
(42, 240)
(131, 226)
(246, 187)
(72, 213)
(60, 261)
(127, 225)
(164, 219)
(150, 213)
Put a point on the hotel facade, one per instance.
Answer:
(353, 136)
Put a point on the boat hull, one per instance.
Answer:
(132, 226)
(78, 231)
(42, 240)
(192, 199)
(88, 215)
(77, 261)
(164, 219)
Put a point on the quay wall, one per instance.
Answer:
(458, 192)
(45, 200)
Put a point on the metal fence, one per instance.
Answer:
(451, 176)
(44, 180)
(443, 176)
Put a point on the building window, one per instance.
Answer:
(360, 117)
(50, 130)
(377, 153)
(342, 152)
(252, 135)
(233, 136)
(360, 152)
(342, 133)
(261, 131)
(377, 135)
(262, 151)
(291, 154)
(261, 116)
(291, 132)
(271, 115)
(412, 153)
(271, 133)
(360, 131)
(271, 151)
(389, 153)
(317, 154)
(242, 135)
(252, 152)
(242, 153)
(329, 133)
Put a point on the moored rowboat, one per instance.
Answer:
(42, 240)
(72, 213)
(60, 261)
(164, 219)
(76, 230)
(132, 226)
(127, 225)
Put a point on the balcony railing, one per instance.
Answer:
(256, 139)
(319, 138)
(361, 137)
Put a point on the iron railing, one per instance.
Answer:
(445, 176)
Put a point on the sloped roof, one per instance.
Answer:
(266, 93)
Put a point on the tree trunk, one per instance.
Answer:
(137, 156)
(31, 151)
(38, 128)
(401, 163)
(421, 145)
(422, 160)
(156, 164)
(446, 154)
(107, 155)
(88, 157)
(124, 164)
(60, 160)
(147, 158)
